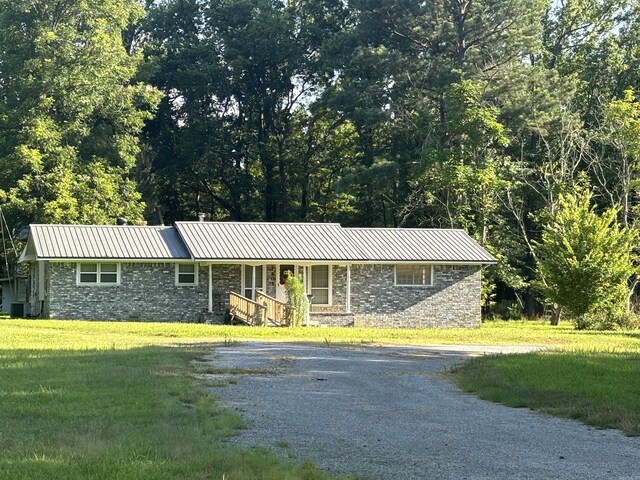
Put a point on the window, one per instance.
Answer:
(98, 274)
(108, 272)
(253, 280)
(413, 275)
(186, 274)
(321, 284)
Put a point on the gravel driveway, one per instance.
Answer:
(389, 413)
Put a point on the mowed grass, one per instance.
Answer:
(75, 404)
(81, 400)
(599, 388)
(79, 334)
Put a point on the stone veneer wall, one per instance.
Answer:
(147, 291)
(452, 301)
(271, 281)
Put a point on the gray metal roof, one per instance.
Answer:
(268, 241)
(318, 242)
(418, 244)
(107, 242)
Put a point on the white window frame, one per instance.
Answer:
(98, 282)
(330, 285)
(253, 289)
(195, 275)
(418, 285)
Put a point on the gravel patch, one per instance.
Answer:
(389, 413)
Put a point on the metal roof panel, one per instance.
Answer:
(418, 244)
(107, 241)
(268, 241)
(256, 241)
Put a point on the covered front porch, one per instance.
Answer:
(255, 293)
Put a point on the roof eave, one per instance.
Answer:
(115, 259)
(343, 261)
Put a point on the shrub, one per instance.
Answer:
(608, 320)
(297, 298)
(507, 310)
(585, 261)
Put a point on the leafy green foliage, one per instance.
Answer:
(234, 131)
(70, 111)
(618, 171)
(585, 259)
(475, 115)
(297, 298)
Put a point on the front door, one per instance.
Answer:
(281, 292)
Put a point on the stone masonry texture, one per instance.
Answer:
(452, 301)
(147, 292)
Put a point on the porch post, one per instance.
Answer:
(348, 300)
(306, 282)
(210, 288)
(253, 282)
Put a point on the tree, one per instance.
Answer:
(616, 167)
(70, 111)
(585, 259)
(407, 72)
(236, 73)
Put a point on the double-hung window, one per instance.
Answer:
(186, 274)
(414, 275)
(321, 284)
(98, 274)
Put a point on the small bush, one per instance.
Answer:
(297, 298)
(507, 310)
(609, 320)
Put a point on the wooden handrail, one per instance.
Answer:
(248, 300)
(275, 300)
(247, 310)
(278, 312)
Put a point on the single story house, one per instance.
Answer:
(389, 277)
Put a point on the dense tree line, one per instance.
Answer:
(474, 114)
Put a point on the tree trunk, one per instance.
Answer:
(555, 315)
(270, 211)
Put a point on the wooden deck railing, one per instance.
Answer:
(278, 312)
(247, 310)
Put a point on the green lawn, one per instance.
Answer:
(81, 400)
(101, 401)
(77, 334)
(600, 388)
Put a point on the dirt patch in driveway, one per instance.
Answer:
(390, 413)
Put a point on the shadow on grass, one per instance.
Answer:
(599, 389)
(125, 414)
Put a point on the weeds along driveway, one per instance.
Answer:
(390, 413)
